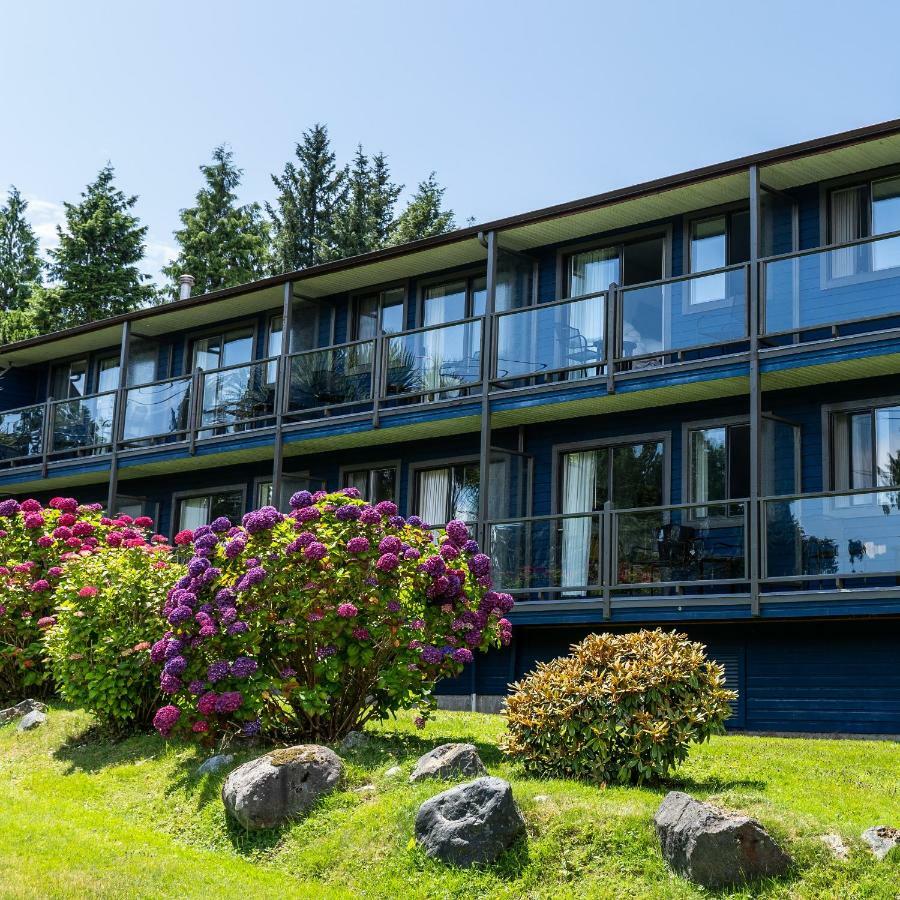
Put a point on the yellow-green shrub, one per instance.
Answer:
(621, 707)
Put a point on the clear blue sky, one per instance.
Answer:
(516, 105)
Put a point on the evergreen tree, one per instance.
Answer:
(222, 243)
(352, 220)
(309, 193)
(424, 215)
(20, 263)
(383, 194)
(95, 265)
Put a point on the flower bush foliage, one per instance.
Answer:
(108, 610)
(621, 707)
(35, 544)
(313, 623)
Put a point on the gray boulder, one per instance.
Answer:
(355, 740)
(712, 847)
(449, 761)
(32, 720)
(471, 824)
(215, 764)
(21, 709)
(283, 784)
(882, 839)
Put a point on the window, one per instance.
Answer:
(861, 211)
(592, 271)
(375, 483)
(447, 492)
(136, 507)
(866, 448)
(227, 348)
(716, 242)
(69, 380)
(107, 374)
(719, 463)
(454, 300)
(290, 484)
(381, 312)
(142, 362)
(201, 509)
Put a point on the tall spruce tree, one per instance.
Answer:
(20, 262)
(222, 242)
(424, 216)
(383, 194)
(310, 191)
(95, 265)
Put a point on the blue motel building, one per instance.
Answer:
(675, 404)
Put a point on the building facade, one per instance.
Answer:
(674, 404)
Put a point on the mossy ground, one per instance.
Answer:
(82, 817)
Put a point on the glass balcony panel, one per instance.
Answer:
(833, 286)
(21, 432)
(440, 362)
(157, 413)
(562, 341)
(682, 314)
(547, 557)
(333, 377)
(83, 423)
(844, 535)
(681, 544)
(237, 399)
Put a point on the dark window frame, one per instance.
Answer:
(354, 297)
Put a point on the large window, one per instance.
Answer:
(861, 211)
(591, 271)
(69, 380)
(202, 508)
(375, 483)
(381, 312)
(718, 463)
(225, 348)
(447, 492)
(716, 242)
(454, 300)
(866, 448)
(290, 484)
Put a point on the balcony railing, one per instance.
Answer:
(237, 398)
(333, 380)
(22, 434)
(82, 425)
(824, 290)
(157, 413)
(666, 321)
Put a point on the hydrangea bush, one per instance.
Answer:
(35, 543)
(108, 611)
(313, 623)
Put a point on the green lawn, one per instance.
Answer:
(80, 818)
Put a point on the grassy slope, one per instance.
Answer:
(79, 818)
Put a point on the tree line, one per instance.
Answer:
(322, 211)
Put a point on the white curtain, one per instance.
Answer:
(588, 273)
(845, 214)
(579, 479)
(434, 490)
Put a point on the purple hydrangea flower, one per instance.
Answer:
(165, 719)
(225, 597)
(173, 648)
(237, 628)
(448, 551)
(236, 546)
(347, 611)
(175, 666)
(315, 550)
(328, 650)
(361, 634)
(9, 508)
(206, 541)
(305, 538)
(431, 655)
(251, 728)
(301, 499)
(411, 553)
(196, 687)
(470, 546)
(348, 513)
(243, 667)
(457, 532)
(217, 671)
(397, 521)
(223, 523)
(387, 562)
(393, 606)
(434, 566)
(169, 684)
(416, 522)
(370, 516)
(158, 651)
(180, 614)
(463, 655)
(229, 702)
(198, 565)
(480, 564)
(307, 514)
(358, 545)
(390, 544)
(386, 508)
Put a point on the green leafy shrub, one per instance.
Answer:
(621, 707)
(109, 610)
(35, 544)
(311, 624)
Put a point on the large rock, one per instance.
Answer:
(712, 847)
(21, 709)
(882, 839)
(449, 761)
(215, 764)
(32, 720)
(471, 824)
(266, 792)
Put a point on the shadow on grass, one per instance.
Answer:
(710, 784)
(95, 749)
(387, 746)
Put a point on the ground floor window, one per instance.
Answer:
(447, 492)
(718, 462)
(374, 483)
(290, 484)
(201, 509)
(866, 447)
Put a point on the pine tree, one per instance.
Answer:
(309, 193)
(383, 194)
(352, 220)
(20, 262)
(222, 243)
(95, 265)
(423, 216)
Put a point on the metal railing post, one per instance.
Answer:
(379, 381)
(118, 415)
(607, 562)
(282, 389)
(484, 454)
(46, 436)
(755, 391)
(194, 405)
(610, 344)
